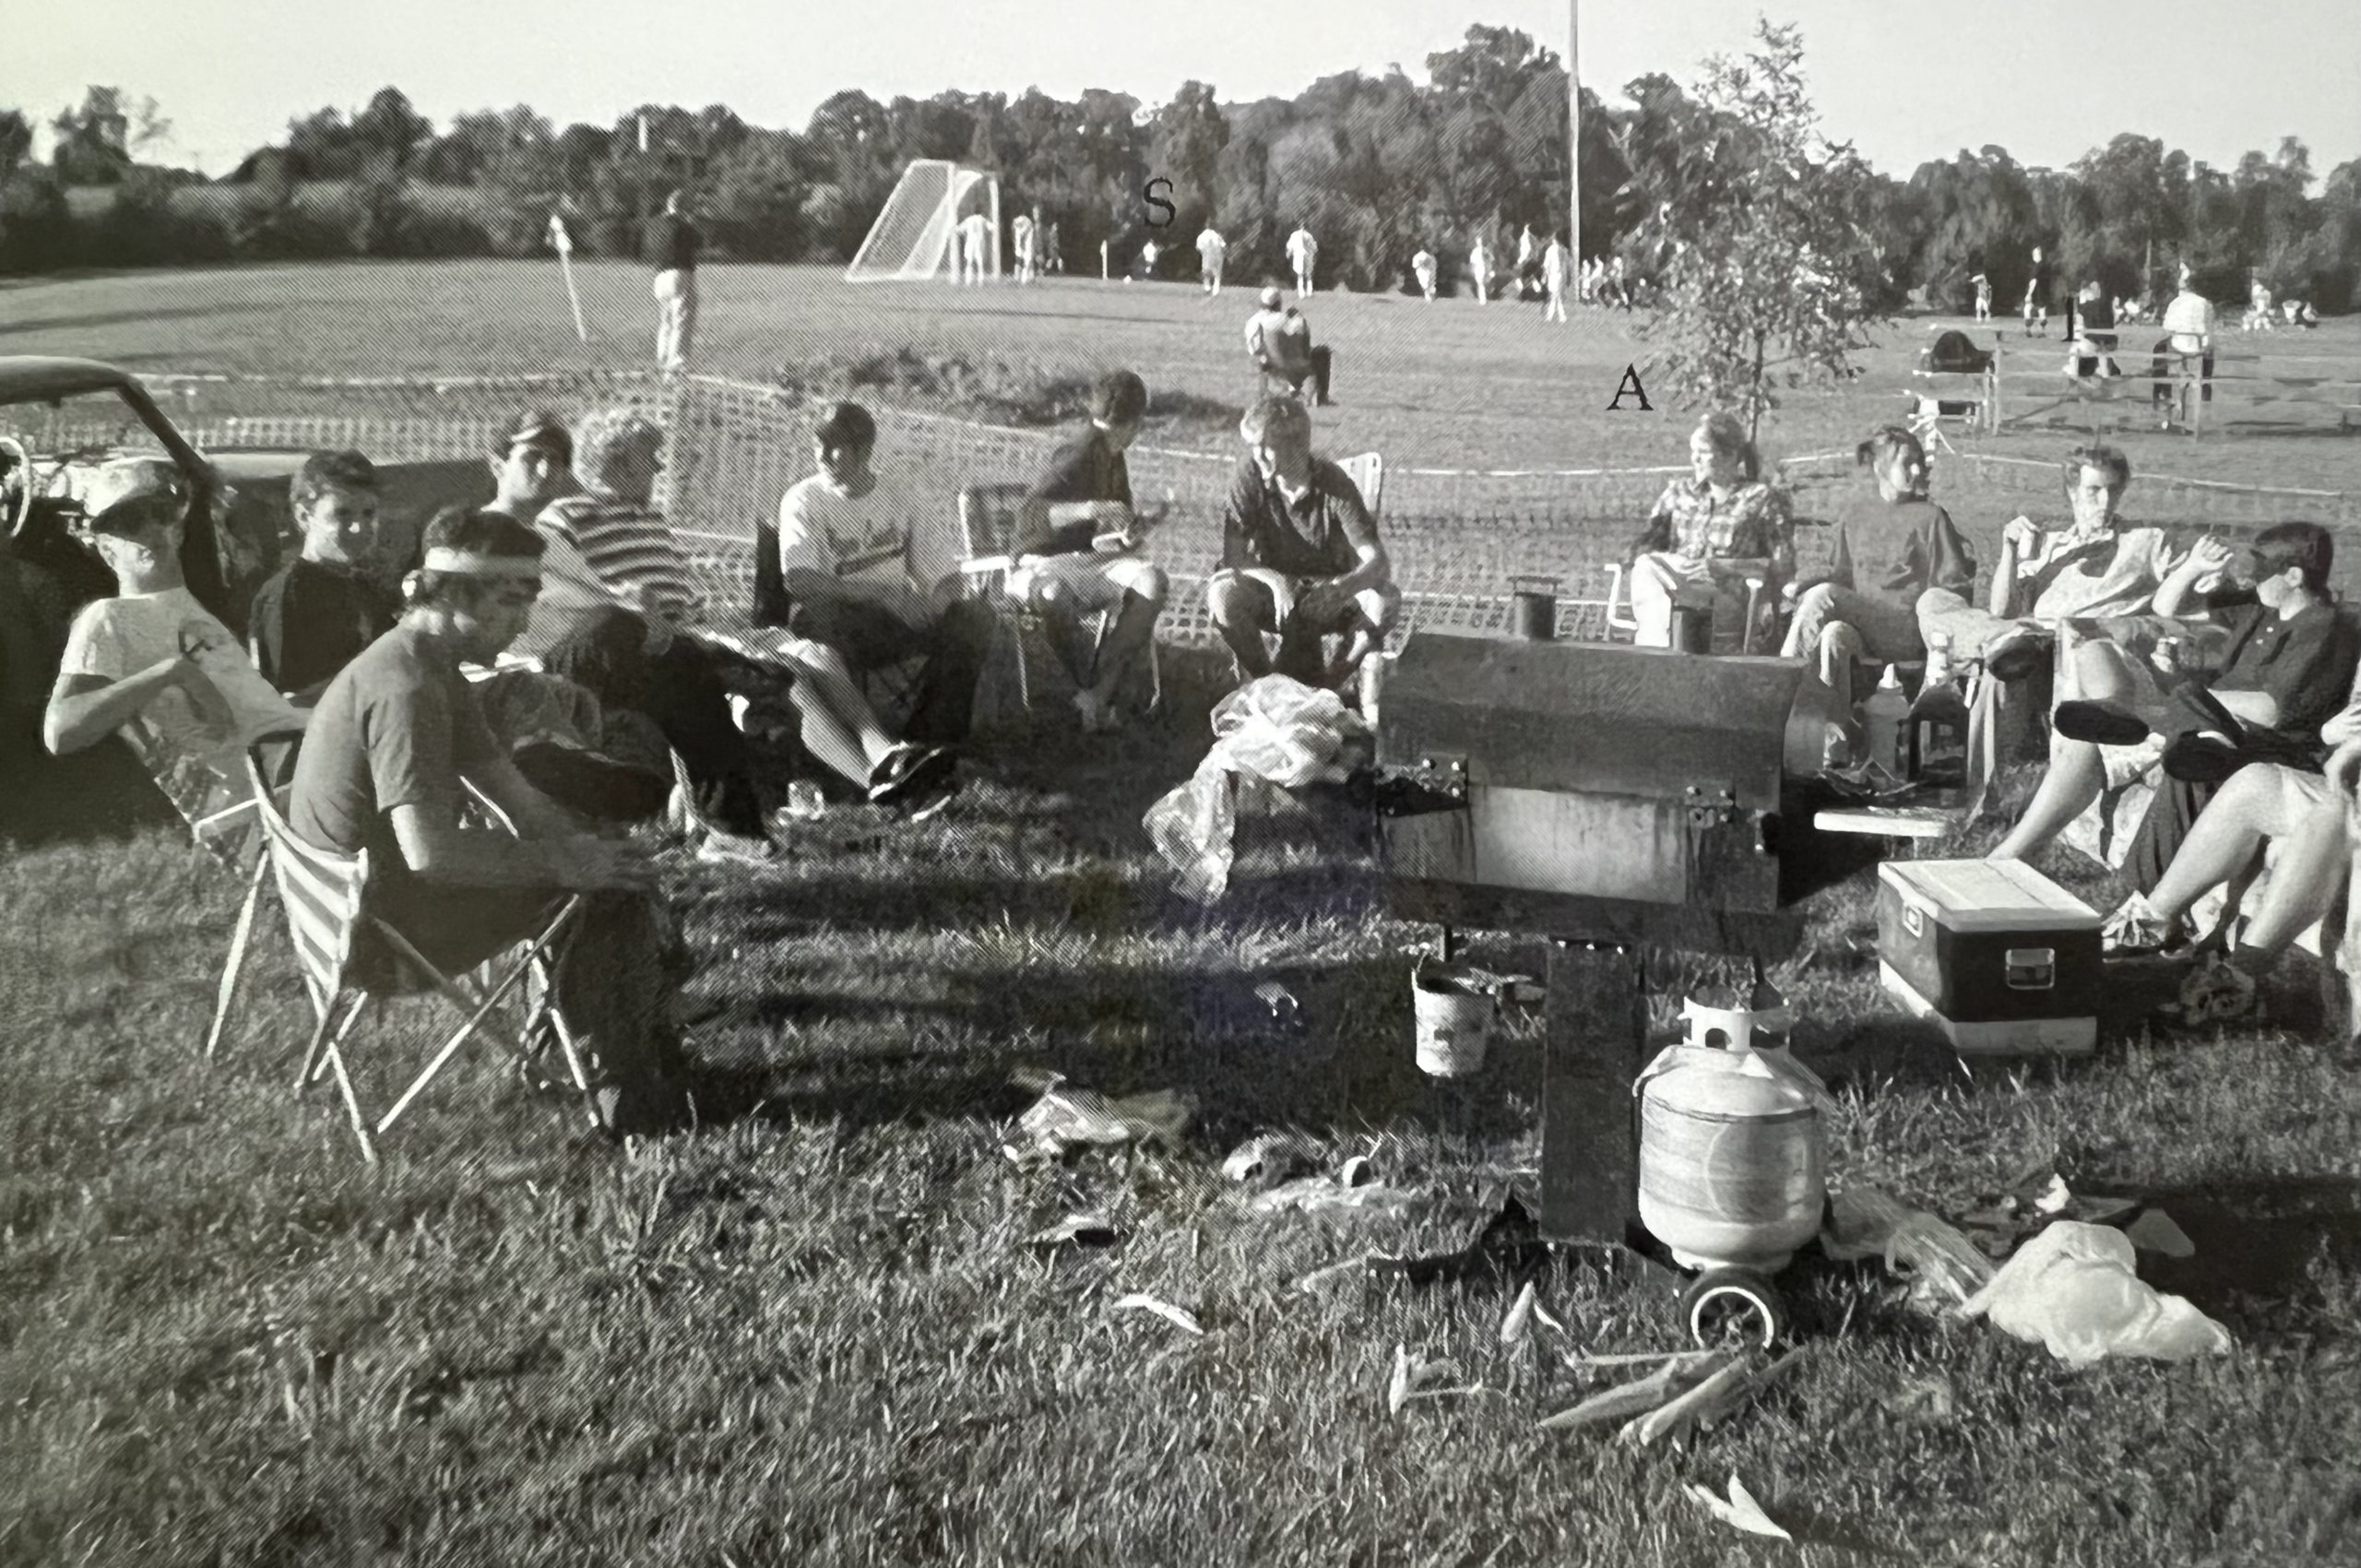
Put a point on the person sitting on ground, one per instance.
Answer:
(1711, 532)
(1889, 551)
(1078, 550)
(1279, 341)
(324, 607)
(1301, 557)
(611, 618)
(2094, 568)
(152, 664)
(2287, 663)
(855, 601)
(396, 738)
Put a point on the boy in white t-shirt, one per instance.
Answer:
(152, 663)
(855, 599)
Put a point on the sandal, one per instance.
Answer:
(2135, 930)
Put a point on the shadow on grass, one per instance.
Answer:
(2259, 1243)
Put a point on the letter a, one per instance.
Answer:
(1630, 387)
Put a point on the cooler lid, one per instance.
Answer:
(1988, 894)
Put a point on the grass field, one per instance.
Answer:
(813, 1332)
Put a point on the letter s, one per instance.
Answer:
(1171, 211)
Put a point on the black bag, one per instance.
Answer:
(1955, 352)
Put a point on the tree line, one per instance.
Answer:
(1376, 165)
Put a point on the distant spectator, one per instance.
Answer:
(1021, 232)
(1480, 267)
(1983, 296)
(1303, 255)
(1422, 268)
(1279, 340)
(676, 284)
(1301, 557)
(2037, 285)
(2189, 339)
(1553, 280)
(324, 607)
(1211, 248)
(975, 241)
(1078, 543)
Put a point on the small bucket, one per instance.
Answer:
(1456, 1018)
(1533, 608)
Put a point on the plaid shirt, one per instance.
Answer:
(1754, 523)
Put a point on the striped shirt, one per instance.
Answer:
(628, 548)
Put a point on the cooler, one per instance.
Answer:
(2002, 958)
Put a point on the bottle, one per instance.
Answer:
(1885, 719)
(1937, 725)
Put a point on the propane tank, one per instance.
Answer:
(1733, 1149)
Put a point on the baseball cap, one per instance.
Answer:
(537, 427)
(1271, 298)
(133, 492)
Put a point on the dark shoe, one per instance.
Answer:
(2018, 656)
(2100, 723)
(2202, 759)
(910, 772)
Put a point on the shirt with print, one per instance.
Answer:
(312, 619)
(1086, 469)
(1894, 551)
(859, 539)
(2094, 574)
(1317, 534)
(628, 548)
(200, 766)
(399, 727)
(1751, 523)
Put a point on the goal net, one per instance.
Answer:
(917, 232)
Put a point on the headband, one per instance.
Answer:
(475, 564)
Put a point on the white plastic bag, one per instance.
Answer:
(2073, 1288)
(1275, 729)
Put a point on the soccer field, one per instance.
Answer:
(1448, 385)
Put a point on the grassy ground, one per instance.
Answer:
(815, 1332)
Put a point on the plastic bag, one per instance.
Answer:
(2073, 1288)
(1275, 729)
(1942, 1262)
(1066, 1118)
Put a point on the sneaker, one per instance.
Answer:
(2135, 928)
(2100, 723)
(728, 849)
(910, 772)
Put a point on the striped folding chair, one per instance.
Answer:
(325, 895)
(988, 549)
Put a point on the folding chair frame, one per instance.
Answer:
(989, 560)
(339, 885)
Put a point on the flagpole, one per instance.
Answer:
(1574, 126)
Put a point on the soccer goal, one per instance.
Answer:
(916, 235)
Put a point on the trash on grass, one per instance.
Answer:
(1286, 1010)
(1180, 1316)
(1721, 1393)
(1741, 1511)
(2073, 1288)
(1316, 1192)
(1082, 1230)
(1519, 1319)
(1321, 1278)
(1274, 729)
(1621, 1403)
(1065, 1118)
(1269, 1156)
(1943, 1266)
(1356, 1171)
(2154, 1231)
(1402, 1384)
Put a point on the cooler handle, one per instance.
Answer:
(2031, 968)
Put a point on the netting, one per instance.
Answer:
(1455, 536)
(912, 237)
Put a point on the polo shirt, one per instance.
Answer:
(1317, 534)
(2305, 662)
(1086, 469)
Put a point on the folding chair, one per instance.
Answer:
(325, 895)
(890, 688)
(988, 548)
(1621, 618)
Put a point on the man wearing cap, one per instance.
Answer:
(324, 607)
(151, 663)
(855, 599)
(394, 740)
(677, 242)
(1300, 556)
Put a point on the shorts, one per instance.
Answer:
(1092, 581)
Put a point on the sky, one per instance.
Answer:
(1905, 81)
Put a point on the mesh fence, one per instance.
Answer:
(1455, 535)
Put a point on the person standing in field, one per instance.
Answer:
(1211, 248)
(2037, 296)
(975, 240)
(1479, 264)
(1553, 280)
(1053, 260)
(1423, 267)
(1524, 251)
(2187, 348)
(1022, 231)
(1303, 254)
(1983, 296)
(676, 284)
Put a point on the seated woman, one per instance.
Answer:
(2288, 662)
(1890, 550)
(1711, 532)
